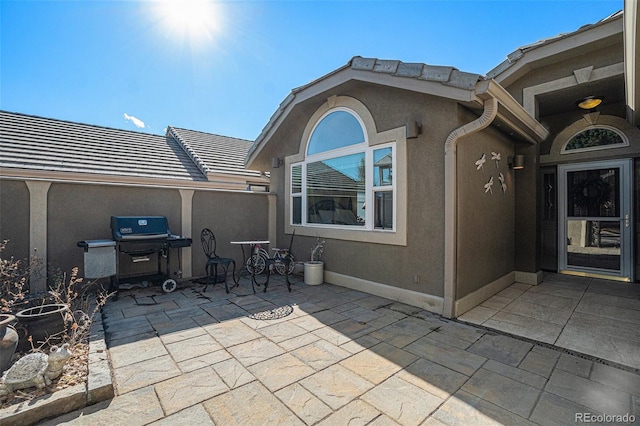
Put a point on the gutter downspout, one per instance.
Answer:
(451, 202)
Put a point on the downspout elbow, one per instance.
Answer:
(451, 202)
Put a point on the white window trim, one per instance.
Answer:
(625, 141)
(394, 137)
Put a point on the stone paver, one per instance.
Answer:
(195, 415)
(189, 389)
(503, 391)
(303, 403)
(596, 396)
(251, 404)
(355, 413)
(336, 386)
(434, 378)
(379, 362)
(255, 351)
(456, 359)
(467, 409)
(504, 349)
(345, 357)
(321, 354)
(136, 376)
(124, 410)
(278, 372)
(405, 403)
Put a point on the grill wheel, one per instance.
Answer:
(169, 285)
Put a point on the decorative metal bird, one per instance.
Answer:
(503, 184)
(488, 185)
(480, 162)
(495, 156)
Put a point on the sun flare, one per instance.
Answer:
(197, 20)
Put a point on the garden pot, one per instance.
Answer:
(314, 272)
(44, 323)
(8, 341)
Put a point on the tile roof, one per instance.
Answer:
(35, 143)
(215, 153)
(514, 56)
(446, 75)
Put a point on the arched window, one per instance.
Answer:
(343, 181)
(595, 138)
(338, 129)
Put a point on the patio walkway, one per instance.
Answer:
(330, 355)
(591, 316)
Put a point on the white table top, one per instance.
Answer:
(251, 242)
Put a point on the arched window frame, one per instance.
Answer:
(394, 139)
(625, 141)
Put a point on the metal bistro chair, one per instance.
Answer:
(282, 262)
(208, 239)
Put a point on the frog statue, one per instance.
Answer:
(37, 369)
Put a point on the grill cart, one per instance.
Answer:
(137, 240)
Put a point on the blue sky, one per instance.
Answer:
(123, 63)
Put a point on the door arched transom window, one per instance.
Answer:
(595, 138)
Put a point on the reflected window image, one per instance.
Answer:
(593, 195)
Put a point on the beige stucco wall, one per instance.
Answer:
(392, 265)
(82, 212)
(14, 218)
(486, 220)
(232, 217)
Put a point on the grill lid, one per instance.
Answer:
(139, 227)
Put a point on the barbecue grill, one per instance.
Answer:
(138, 240)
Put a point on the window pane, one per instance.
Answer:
(296, 179)
(335, 190)
(384, 209)
(593, 138)
(382, 167)
(296, 217)
(593, 193)
(336, 130)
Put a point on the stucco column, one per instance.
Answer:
(38, 231)
(186, 195)
(273, 216)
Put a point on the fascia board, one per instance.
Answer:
(344, 75)
(511, 112)
(220, 182)
(552, 48)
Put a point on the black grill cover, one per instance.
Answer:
(139, 227)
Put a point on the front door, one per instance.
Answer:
(594, 232)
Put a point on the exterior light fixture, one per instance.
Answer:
(276, 162)
(413, 129)
(516, 162)
(590, 102)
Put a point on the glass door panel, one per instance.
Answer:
(595, 228)
(593, 244)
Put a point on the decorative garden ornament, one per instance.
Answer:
(37, 369)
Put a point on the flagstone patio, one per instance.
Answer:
(329, 355)
(587, 315)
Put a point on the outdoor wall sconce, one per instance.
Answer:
(516, 162)
(590, 102)
(413, 129)
(276, 162)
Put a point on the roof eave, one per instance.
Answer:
(347, 73)
(522, 59)
(511, 112)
